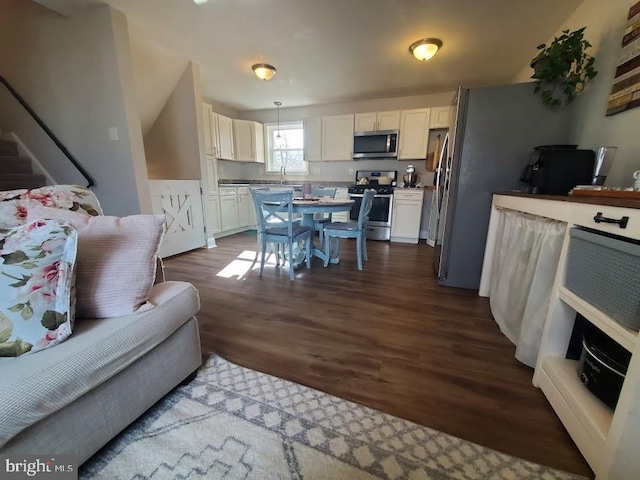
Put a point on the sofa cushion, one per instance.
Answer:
(37, 262)
(33, 387)
(14, 204)
(116, 260)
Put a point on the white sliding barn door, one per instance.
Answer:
(180, 201)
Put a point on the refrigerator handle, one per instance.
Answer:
(441, 160)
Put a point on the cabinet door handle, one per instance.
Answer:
(622, 222)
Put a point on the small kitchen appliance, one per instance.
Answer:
(604, 159)
(603, 365)
(380, 144)
(410, 178)
(556, 169)
(383, 182)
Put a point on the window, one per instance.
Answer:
(285, 147)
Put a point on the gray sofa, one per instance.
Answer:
(74, 397)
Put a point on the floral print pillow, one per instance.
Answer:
(37, 265)
(15, 204)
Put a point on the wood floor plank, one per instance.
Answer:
(387, 337)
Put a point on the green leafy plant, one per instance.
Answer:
(563, 68)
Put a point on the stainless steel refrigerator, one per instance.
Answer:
(491, 137)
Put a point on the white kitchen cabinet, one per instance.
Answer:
(214, 224)
(608, 439)
(373, 121)
(244, 207)
(248, 141)
(312, 128)
(225, 138)
(414, 134)
(228, 209)
(206, 126)
(439, 117)
(337, 138)
(406, 215)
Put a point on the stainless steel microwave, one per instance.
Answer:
(380, 144)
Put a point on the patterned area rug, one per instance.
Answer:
(235, 423)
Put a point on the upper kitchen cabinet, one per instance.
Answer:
(369, 122)
(337, 138)
(414, 134)
(312, 128)
(248, 139)
(225, 138)
(206, 125)
(439, 117)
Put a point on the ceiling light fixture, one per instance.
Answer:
(200, 2)
(425, 49)
(277, 104)
(264, 71)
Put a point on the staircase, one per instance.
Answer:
(16, 172)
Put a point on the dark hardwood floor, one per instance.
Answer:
(387, 337)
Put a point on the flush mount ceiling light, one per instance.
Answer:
(425, 49)
(264, 71)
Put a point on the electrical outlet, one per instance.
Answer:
(316, 170)
(350, 171)
(113, 134)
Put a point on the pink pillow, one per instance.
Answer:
(116, 261)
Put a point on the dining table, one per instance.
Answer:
(308, 207)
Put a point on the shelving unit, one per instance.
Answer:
(608, 439)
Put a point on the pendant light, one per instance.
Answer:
(277, 104)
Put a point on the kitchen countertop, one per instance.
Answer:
(609, 201)
(244, 183)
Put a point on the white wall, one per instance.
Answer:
(337, 171)
(156, 72)
(173, 142)
(79, 93)
(605, 22)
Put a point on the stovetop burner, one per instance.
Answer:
(380, 189)
(382, 181)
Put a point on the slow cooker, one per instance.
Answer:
(603, 365)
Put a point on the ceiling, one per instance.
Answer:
(341, 50)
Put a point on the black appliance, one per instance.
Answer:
(383, 182)
(556, 169)
(603, 365)
(380, 144)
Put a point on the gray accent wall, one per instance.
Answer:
(76, 74)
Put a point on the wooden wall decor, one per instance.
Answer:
(625, 92)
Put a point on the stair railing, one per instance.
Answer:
(47, 130)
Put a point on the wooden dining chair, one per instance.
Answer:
(352, 229)
(321, 219)
(274, 215)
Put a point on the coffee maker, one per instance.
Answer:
(556, 169)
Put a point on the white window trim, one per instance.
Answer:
(268, 127)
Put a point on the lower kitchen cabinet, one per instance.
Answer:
(228, 209)
(236, 210)
(215, 224)
(406, 215)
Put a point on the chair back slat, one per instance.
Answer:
(273, 208)
(365, 208)
(324, 192)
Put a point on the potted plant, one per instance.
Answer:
(563, 68)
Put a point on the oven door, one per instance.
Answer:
(380, 214)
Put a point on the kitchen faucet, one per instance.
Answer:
(283, 173)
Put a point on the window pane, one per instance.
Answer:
(291, 159)
(289, 138)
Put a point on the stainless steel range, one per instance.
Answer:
(383, 182)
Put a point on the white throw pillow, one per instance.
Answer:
(116, 260)
(37, 263)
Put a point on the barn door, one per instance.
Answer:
(180, 201)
